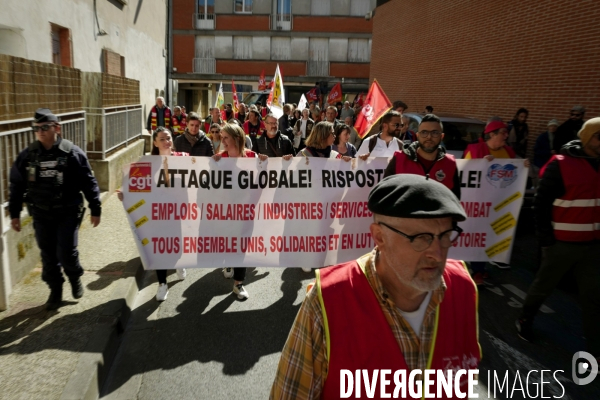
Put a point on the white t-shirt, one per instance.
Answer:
(381, 149)
(415, 318)
(303, 128)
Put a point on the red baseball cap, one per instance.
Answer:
(494, 126)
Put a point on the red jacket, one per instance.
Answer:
(442, 171)
(480, 150)
(576, 215)
(354, 321)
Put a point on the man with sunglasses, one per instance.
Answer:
(49, 175)
(385, 309)
(567, 131)
(426, 157)
(386, 142)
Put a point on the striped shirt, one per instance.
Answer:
(303, 365)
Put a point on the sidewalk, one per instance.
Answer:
(61, 354)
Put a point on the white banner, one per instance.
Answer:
(240, 212)
(189, 212)
(492, 195)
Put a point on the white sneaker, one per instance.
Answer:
(162, 292)
(181, 273)
(240, 291)
(500, 265)
(306, 269)
(228, 273)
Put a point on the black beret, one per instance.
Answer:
(414, 196)
(44, 115)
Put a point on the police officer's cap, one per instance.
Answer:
(44, 115)
(414, 196)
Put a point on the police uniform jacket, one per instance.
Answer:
(51, 180)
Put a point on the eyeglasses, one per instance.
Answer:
(271, 123)
(396, 125)
(44, 128)
(433, 134)
(576, 114)
(215, 131)
(422, 241)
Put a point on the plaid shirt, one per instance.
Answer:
(303, 366)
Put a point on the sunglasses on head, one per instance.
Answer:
(45, 127)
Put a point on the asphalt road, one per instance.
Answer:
(202, 343)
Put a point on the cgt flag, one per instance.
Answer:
(335, 95)
(276, 99)
(236, 101)
(375, 105)
(261, 81)
(312, 95)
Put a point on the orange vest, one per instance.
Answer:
(178, 125)
(358, 335)
(576, 215)
(154, 115)
(443, 170)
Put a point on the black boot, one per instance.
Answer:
(76, 287)
(55, 299)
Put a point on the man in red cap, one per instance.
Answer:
(492, 145)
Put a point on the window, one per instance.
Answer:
(206, 6)
(242, 47)
(359, 50)
(61, 45)
(243, 6)
(284, 7)
(114, 63)
(281, 48)
(359, 8)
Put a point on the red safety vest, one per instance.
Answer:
(576, 215)
(262, 128)
(178, 125)
(480, 150)
(358, 335)
(153, 117)
(443, 170)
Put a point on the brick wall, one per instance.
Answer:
(242, 22)
(184, 48)
(183, 14)
(484, 57)
(331, 24)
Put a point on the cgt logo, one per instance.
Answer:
(583, 363)
(140, 177)
(502, 176)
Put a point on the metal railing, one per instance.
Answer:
(120, 125)
(317, 68)
(204, 21)
(281, 22)
(204, 65)
(16, 135)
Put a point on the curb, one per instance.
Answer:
(95, 361)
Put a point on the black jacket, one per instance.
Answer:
(202, 148)
(77, 178)
(565, 133)
(411, 152)
(552, 187)
(282, 147)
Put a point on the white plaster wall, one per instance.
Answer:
(300, 49)
(261, 48)
(136, 34)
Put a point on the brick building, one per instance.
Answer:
(216, 41)
(485, 58)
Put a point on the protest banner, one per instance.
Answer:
(492, 195)
(188, 212)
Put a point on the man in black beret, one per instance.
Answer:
(385, 309)
(49, 175)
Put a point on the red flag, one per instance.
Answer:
(236, 102)
(261, 81)
(360, 99)
(375, 105)
(335, 95)
(312, 95)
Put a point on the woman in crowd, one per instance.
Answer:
(162, 145)
(491, 146)
(341, 143)
(302, 129)
(234, 145)
(214, 134)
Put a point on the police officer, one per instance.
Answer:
(49, 176)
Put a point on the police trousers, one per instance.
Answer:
(557, 260)
(56, 235)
